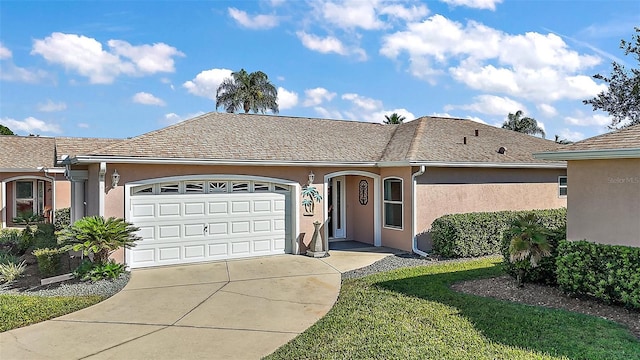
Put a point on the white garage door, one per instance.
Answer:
(194, 221)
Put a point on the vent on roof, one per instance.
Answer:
(476, 132)
(502, 150)
(464, 140)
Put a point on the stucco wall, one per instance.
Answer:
(391, 237)
(93, 190)
(604, 201)
(360, 218)
(442, 191)
(62, 188)
(63, 192)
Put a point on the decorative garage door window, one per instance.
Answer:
(208, 187)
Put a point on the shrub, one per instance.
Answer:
(7, 257)
(11, 271)
(528, 244)
(62, 218)
(26, 239)
(610, 273)
(478, 234)
(98, 271)
(101, 237)
(48, 260)
(9, 237)
(545, 272)
(44, 237)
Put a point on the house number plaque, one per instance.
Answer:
(364, 192)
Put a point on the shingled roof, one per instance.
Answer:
(72, 146)
(627, 138)
(26, 152)
(242, 137)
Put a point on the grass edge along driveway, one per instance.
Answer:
(411, 313)
(22, 310)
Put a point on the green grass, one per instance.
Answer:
(411, 313)
(22, 310)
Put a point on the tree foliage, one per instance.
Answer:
(5, 130)
(394, 118)
(248, 92)
(622, 99)
(525, 125)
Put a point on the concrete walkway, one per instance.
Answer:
(236, 309)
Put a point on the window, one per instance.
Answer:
(194, 188)
(260, 187)
(143, 190)
(393, 203)
(170, 188)
(217, 187)
(277, 187)
(562, 186)
(239, 186)
(25, 198)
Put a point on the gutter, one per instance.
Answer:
(177, 161)
(589, 154)
(414, 212)
(490, 165)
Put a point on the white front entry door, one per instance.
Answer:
(338, 207)
(194, 227)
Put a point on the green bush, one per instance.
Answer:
(98, 271)
(11, 271)
(44, 237)
(48, 260)
(545, 272)
(479, 234)
(7, 257)
(26, 240)
(610, 273)
(9, 237)
(62, 218)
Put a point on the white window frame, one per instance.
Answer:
(566, 186)
(385, 201)
(33, 198)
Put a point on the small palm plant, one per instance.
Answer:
(528, 244)
(310, 196)
(100, 237)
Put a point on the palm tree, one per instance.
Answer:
(528, 244)
(394, 119)
(249, 92)
(562, 141)
(525, 125)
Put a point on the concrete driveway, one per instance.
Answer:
(237, 309)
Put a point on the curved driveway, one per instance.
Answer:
(236, 309)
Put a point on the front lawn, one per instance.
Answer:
(412, 313)
(22, 310)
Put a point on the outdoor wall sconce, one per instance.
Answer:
(312, 177)
(115, 179)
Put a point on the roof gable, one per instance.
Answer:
(26, 152)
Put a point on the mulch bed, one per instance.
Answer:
(505, 288)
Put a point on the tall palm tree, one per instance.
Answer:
(247, 91)
(394, 119)
(525, 125)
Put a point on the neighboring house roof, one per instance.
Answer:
(624, 143)
(71, 146)
(240, 138)
(26, 153)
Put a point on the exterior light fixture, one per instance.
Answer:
(115, 178)
(312, 177)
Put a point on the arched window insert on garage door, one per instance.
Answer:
(208, 187)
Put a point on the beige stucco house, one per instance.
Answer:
(230, 185)
(603, 176)
(31, 180)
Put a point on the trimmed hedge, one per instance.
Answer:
(607, 272)
(62, 218)
(481, 233)
(48, 260)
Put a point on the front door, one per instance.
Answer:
(336, 210)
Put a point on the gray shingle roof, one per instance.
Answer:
(72, 146)
(26, 152)
(226, 136)
(628, 138)
(223, 136)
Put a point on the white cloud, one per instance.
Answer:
(570, 135)
(173, 118)
(83, 125)
(276, 3)
(5, 53)
(547, 110)
(87, 57)
(51, 106)
(30, 125)
(364, 103)
(316, 96)
(379, 115)
(476, 4)
(206, 83)
(324, 45)
(328, 114)
(580, 119)
(147, 99)
(256, 22)
(11, 72)
(531, 65)
(472, 118)
(491, 105)
(352, 14)
(411, 13)
(286, 99)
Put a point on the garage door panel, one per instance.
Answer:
(180, 228)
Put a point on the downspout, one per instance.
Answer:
(103, 170)
(414, 211)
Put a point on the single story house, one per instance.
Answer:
(603, 173)
(226, 185)
(30, 180)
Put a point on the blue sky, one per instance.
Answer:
(120, 69)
